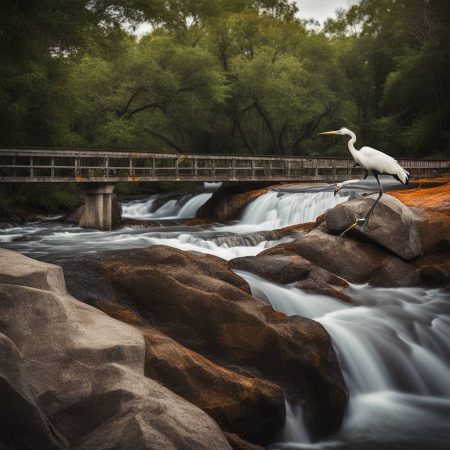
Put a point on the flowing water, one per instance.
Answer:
(393, 345)
(175, 208)
(55, 240)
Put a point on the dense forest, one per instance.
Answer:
(224, 76)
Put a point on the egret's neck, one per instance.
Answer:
(351, 145)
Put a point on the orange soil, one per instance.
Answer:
(427, 195)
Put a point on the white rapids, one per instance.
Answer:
(55, 240)
(148, 209)
(393, 346)
(278, 209)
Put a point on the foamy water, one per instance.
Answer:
(393, 346)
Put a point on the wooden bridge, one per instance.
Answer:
(99, 170)
(82, 166)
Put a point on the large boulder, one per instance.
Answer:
(229, 201)
(86, 370)
(392, 224)
(292, 268)
(24, 425)
(248, 406)
(198, 301)
(351, 259)
(17, 269)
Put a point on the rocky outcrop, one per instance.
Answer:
(288, 268)
(350, 259)
(24, 425)
(85, 371)
(392, 225)
(229, 201)
(238, 444)
(199, 302)
(248, 406)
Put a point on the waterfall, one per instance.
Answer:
(281, 209)
(393, 346)
(245, 238)
(160, 207)
(192, 205)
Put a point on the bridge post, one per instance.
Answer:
(98, 207)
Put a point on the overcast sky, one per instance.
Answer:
(308, 9)
(320, 9)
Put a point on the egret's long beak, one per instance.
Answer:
(329, 132)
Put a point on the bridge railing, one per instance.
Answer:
(38, 165)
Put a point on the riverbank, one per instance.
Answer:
(203, 325)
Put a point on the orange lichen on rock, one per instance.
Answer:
(434, 198)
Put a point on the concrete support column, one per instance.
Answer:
(98, 206)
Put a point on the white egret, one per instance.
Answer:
(374, 162)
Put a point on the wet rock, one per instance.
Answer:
(438, 274)
(434, 268)
(434, 229)
(351, 259)
(392, 224)
(248, 239)
(228, 202)
(87, 369)
(75, 216)
(282, 269)
(239, 444)
(24, 238)
(129, 222)
(292, 268)
(199, 302)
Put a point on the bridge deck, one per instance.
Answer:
(82, 166)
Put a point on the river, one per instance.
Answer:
(393, 345)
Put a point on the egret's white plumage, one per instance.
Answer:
(374, 162)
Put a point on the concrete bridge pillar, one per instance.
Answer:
(98, 208)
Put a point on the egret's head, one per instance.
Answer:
(337, 188)
(341, 131)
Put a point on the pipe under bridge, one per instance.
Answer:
(98, 170)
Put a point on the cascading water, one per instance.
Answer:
(279, 209)
(152, 207)
(192, 205)
(55, 240)
(393, 346)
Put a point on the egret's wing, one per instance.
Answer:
(375, 160)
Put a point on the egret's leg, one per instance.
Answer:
(366, 219)
(348, 229)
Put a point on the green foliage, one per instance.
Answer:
(17, 200)
(231, 76)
